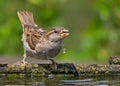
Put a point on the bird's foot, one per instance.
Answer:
(54, 63)
(24, 62)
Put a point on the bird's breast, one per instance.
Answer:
(47, 46)
(45, 50)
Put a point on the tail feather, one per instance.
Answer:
(26, 18)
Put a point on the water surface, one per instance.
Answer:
(59, 80)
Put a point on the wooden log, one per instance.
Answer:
(62, 68)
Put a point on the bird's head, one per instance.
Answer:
(57, 33)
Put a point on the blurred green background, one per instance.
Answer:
(94, 27)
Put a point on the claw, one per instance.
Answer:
(24, 62)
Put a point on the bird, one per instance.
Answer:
(39, 43)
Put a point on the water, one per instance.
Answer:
(59, 80)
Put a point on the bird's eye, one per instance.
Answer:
(55, 31)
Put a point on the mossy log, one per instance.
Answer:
(114, 60)
(62, 68)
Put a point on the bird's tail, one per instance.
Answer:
(26, 18)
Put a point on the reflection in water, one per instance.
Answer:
(75, 82)
(58, 80)
(39, 84)
(84, 82)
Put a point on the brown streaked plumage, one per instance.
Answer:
(37, 42)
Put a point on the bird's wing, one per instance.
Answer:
(32, 35)
(31, 31)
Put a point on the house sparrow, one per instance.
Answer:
(38, 43)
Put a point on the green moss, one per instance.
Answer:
(93, 68)
(35, 65)
(18, 67)
(13, 75)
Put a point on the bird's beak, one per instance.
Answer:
(64, 33)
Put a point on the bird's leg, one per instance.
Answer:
(54, 63)
(52, 60)
(23, 60)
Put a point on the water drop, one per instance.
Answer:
(64, 50)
